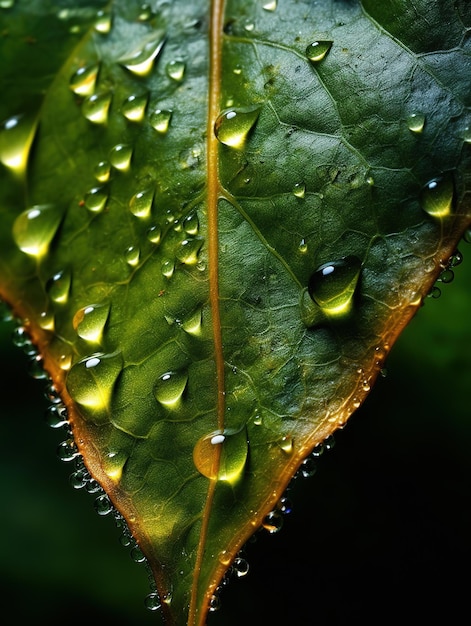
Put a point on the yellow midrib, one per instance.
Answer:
(213, 187)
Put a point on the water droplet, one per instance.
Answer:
(140, 204)
(132, 255)
(286, 444)
(96, 107)
(102, 171)
(120, 156)
(273, 522)
(271, 5)
(56, 416)
(169, 388)
(416, 122)
(141, 61)
(90, 383)
(137, 555)
(317, 50)
(103, 22)
(447, 276)
(67, 450)
(103, 505)
(160, 120)
(308, 467)
(46, 320)
(188, 250)
(299, 190)
(240, 567)
(192, 324)
(302, 246)
(96, 199)
(332, 285)
(168, 267)
(134, 108)
(152, 602)
(222, 455)
(16, 137)
(176, 70)
(467, 134)
(58, 287)
(83, 81)
(7, 4)
(79, 479)
(154, 234)
(113, 464)
(233, 126)
(437, 197)
(34, 229)
(89, 322)
(191, 224)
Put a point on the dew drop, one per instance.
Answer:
(16, 137)
(83, 81)
(188, 251)
(192, 324)
(56, 416)
(222, 455)
(191, 224)
(34, 229)
(332, 285)
(299, 190)
(103, 505)
(240, 567)
(169, 388)
(168, 267)
(152, 602)
(89, 322)
(79, 479)
(286, 444)
(102, 171)
(120, 156)
(141, 61)
(113, 465)
(317, 50)
(58, 287)
(467, 134)
(103, 22)
(140, 204)
(233, 126)
(302, 247)
(96, 107)
(67, 450)
(134, 108)
(176, 70)
(416, 122)
(91, 381)
(273, 522)
(137, 555)
(271, 5)
(160, 120)
(154, 235)
(437, 197)
(46, 320)
(96, 199)
(132, 255)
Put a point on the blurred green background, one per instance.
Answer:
(379, 535)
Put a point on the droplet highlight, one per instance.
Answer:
(120, 156)
(222, 455)
(140, 204)
(16, 137)
(141, 61)
(89, 322)
(169, 388)
(34, 229)
(317, 50)
(176, 70)
(416, 122)
(134, 108)
(160, 120)
(83, 81)
(438, 196)
(232, 127)
(95, 108)
(332, 285)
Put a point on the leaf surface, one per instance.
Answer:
(216, 220)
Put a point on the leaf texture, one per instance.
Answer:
(217, 217)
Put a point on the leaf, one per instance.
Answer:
(215, 226)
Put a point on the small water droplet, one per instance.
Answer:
(467, 134)
(154, 235)
(273, 522)
(333, 285)
(240, 567)
(16, 137)
(34, 229)
(103, 22)
(302, 246)
(191, 224)
(438, 195)
(176, 70)
(96, 107)
(286, 444)
(56, 416)
(132, 255)
(317, 50)
(120, 156)
(58, 287)
(140, 204)
(192, 324)
(67, 450)
(95, 200)
(141, 61)
(113, 464)
(160, 120)
(222, 455)
(137, 555)
(46, 320)
(168, 267)
(103, 505)
(83, 81)
(416, 122)
(79, 479)
(169, 388)
(90, 383)
(308, 467)
(152, 602)
(188, 250)
(89, 322)
(270, 5)
(233, 126)
(299, 190)
(102, 171)
(134, 107)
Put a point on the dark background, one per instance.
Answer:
(380, 534)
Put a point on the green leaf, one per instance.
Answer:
(216, 220)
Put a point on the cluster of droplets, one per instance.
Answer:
(447, 273)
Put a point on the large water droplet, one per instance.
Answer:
(83, 81)
(222, 455)
(438, 196)
(140, 204)
(317, 50)
(16, 137)
(188, 250)
(141, 61)
(416, 122)
(134, 108)
(233, 126)
(91, 382)
(333, 284)
(169, 388)
(120, 156)
(160, 120)
(176, 70)
(34, 229)
(96, 107)
(89, 322)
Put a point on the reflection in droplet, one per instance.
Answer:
(168, 267)
(141, 203)
(16, 137)
(58, 287)
(141, 61)
(188, 250)
(169, 388)
(102, 171)
(233, 126)
(89, 322)
(160, 120)
(222, 455)
(154, 234)
(191, 224)
(438, 196)
(96, 199)
(34, 229)
(134, 108)
(317, 50)
(416, 122)
(96, 107)
(176, 70)
(113, 464)
(333, 285)
(132, 255)
(120, 156)
(83, 81)
(192, 324)
(299, 190)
